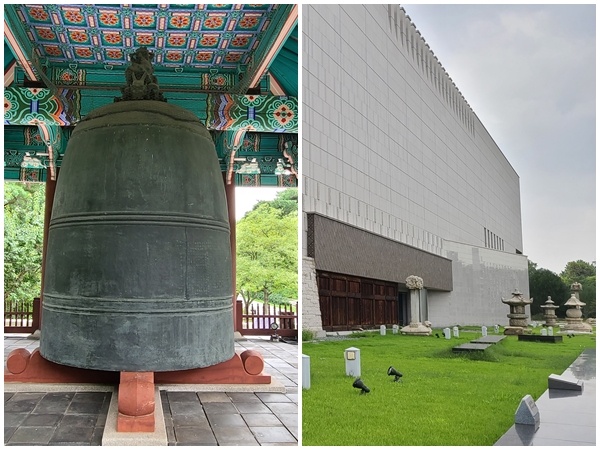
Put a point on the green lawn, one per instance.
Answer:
(444, 399)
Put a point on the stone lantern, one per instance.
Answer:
(574, 320)
(517, 317)
(416, 328)
(549, 313)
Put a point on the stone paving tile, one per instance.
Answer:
(256, 408)
(241, 436)
(190, 420)
(31, 436)
(8, 432)
(194, 436)
(42, 420)
(261, 420)
(213, 397)
(272, 434)
(243, 397)
(283, 408)
(73, 434)
(186, 408)
(181, 397)
(273, 397)
(219, 408)
(226, 421)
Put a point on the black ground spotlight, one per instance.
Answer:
(437, 335)
(397, 375)
(358, 384)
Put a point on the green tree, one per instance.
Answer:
(585, 273)
(267, 253)
(23, 239)
(577, 271)
(544, 283)
(588, 296)
(286, 201)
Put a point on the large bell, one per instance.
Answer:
(138, 274)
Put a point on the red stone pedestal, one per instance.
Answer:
(136, 402)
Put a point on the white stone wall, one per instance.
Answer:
(389, 144)
(481, 277)
(392, 147)
(311, 313)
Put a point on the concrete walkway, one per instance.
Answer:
(567, 418)
(192, 416)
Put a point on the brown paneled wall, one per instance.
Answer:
(340, 248)
(349, 302)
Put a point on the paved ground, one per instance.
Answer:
(567, 418)
(191, 418)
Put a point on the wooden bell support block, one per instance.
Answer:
(244, 368)
(136, 402)
(25, 367)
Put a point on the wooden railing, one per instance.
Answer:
(21, 318)
(257, 321)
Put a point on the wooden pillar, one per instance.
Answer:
(50, 191)
(230, 195)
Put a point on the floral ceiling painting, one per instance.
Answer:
(219, 37)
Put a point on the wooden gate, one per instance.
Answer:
(349, 302)
(21, 318)
(258, 321)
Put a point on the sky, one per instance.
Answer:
(247, 197)
(529, 73)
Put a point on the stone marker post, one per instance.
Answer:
(395, 329)
(496, 329)
(455, 331)
(305, 371)
(550, 331)
(544, 332)
(382, 330)
(483, 331)
(447, 333)
(352, 357)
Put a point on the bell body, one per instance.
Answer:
(138, 270)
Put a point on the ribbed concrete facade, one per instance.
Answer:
(390, 147)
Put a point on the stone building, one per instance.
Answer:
(399, 178)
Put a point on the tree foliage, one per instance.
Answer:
(23, 239)
(577, 271)
(267, 250)
(544, 283)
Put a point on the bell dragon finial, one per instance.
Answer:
(142, 84)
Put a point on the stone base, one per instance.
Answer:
(577, 325)
(416, 329)
(112, 437)
(513, 331)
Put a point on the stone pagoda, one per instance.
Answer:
(517, 317)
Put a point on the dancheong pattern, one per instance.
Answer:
(201, 36)
(28, 106)
(259, 112)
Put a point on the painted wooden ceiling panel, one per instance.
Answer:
(218, 37)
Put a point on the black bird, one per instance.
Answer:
(358, 384)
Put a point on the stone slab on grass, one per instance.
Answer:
(470, 348)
